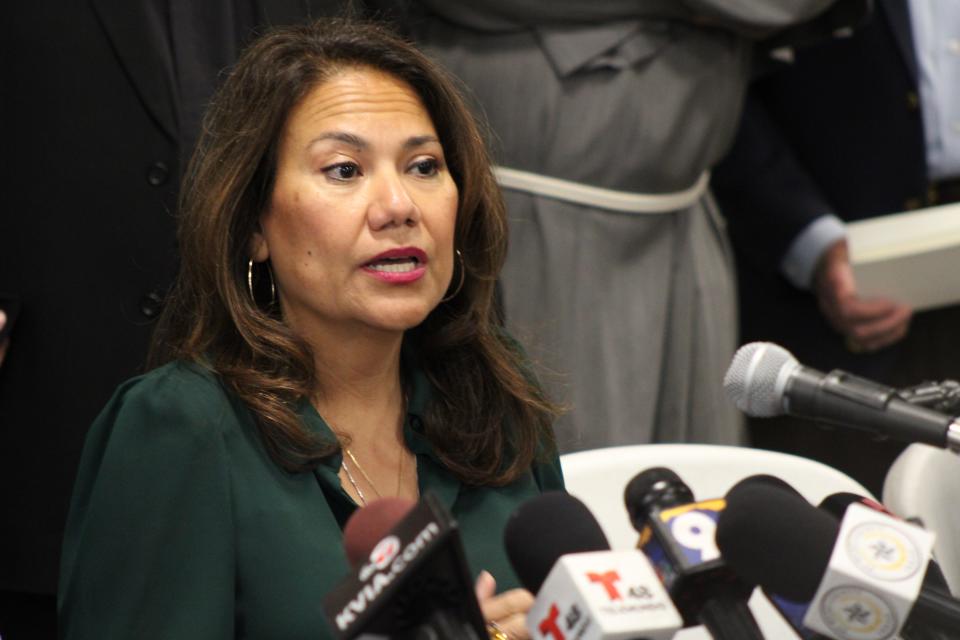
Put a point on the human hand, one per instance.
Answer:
(6, 341)
(507, 610)
(868, 324)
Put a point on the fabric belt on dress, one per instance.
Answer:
(622, 201)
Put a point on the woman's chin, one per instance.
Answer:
(400, 317)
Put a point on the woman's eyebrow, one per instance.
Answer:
(358, 142)
(342, 136)
(419, 141)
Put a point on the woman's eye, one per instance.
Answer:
(342, 171)
(426, 167)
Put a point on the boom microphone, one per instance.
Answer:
(676, 533)
(414, 583)
(862, 576)
(764, 380)
(584, 590)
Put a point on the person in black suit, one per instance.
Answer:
(102, 102)
(839, 131)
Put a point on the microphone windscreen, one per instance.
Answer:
(654, 487)
(755, 377)
(546, 527)
(777, 540)
(370, 524)
(764, 479)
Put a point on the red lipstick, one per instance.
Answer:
(398, 266)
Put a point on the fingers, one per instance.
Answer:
(507, 604)
(877, 334)
(869, 324)
(485, 587)
(515, 626)
(508, 610)
(847, 315)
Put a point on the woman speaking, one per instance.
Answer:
(331, 339)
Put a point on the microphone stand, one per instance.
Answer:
(939, 396)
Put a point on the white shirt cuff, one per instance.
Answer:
(804, 253)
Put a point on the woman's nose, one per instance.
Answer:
(392, 203)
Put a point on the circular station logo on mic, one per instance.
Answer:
(883, 552)
(385, 551)
(853, 613)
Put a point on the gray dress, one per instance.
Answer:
(632, 317)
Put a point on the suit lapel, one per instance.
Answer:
(897, 14)
(138, 36)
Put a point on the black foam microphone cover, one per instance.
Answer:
(766, 480)
(654, 487)
(546, 527)
(776, 539)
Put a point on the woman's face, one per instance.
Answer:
(359, 229)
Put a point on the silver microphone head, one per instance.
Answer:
(757, 377)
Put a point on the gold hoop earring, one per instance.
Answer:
(463, 277)
(273, 286)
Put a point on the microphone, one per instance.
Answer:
(584, 590)
(836, 505)
(412, 583)
(677, 535)
(791, 611)
(862, 576)
(764, 380)
(371, 524)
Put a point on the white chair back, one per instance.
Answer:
(598, 477)
(924, 483)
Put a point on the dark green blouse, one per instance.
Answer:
(182, 527)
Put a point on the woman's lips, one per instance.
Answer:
(398, 265)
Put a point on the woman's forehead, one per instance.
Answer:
(359, 92)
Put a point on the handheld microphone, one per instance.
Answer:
(862, 576)
(764, 380)
(414, 582)
(371, 524)
(584, 590)
(836, 505)
(677, 535)
(791, 611)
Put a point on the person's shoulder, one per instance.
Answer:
(177, 383)
(180, 396)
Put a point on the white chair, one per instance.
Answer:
(599, 476)
(924, 483)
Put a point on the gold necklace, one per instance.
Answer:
(356, 487)
(356, 463)
(353, 481)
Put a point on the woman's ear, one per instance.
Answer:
(259, 250)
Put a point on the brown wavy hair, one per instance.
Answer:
(488, 420)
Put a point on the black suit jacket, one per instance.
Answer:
(838, 131)
(91, 164)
